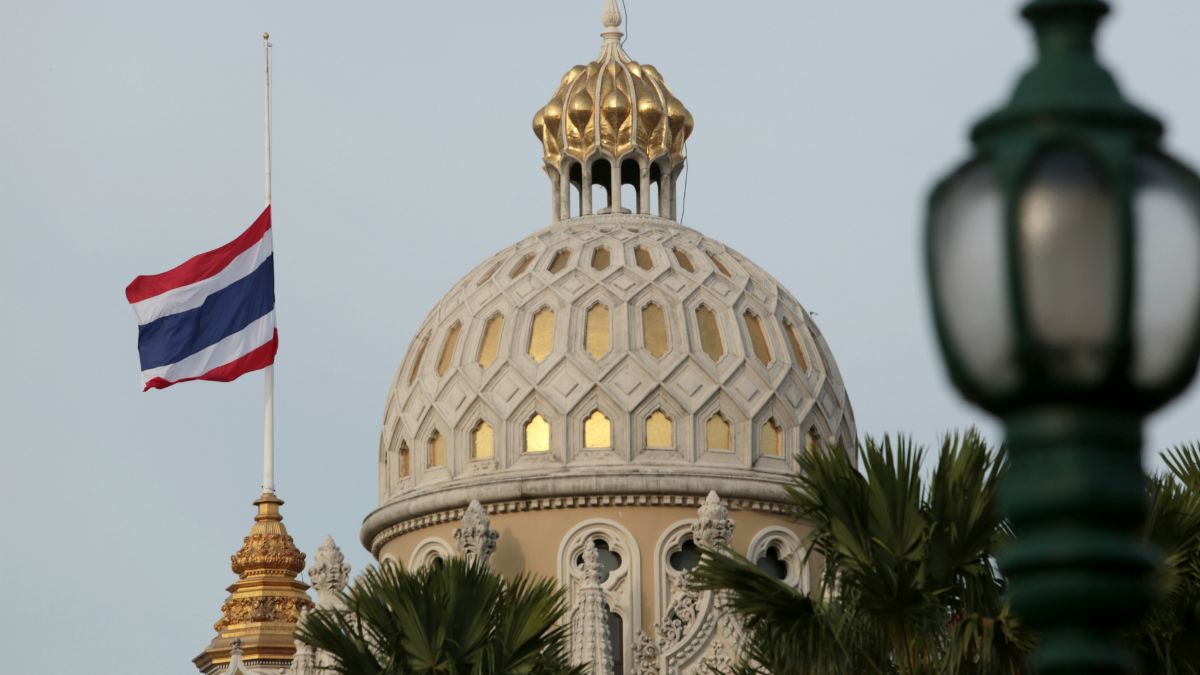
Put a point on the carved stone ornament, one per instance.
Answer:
(589, 626)
(645, 655)
(714, 529)
(329, 575)
(475, 539)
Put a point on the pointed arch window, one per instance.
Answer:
(597, 431)
(597, 339)
(812, 440)
(654, 330)
(718, 433)
(405, 461)
(771, 440)
(541, 335)
(758, 338)
(447, 355)
(490, 346)
(537, 435)
(483, 444)
(437, 450)
(710, 333)
(660, 431)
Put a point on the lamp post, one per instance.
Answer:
(1064, 269)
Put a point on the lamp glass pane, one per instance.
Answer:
(1070, 249)
(971, 278)
(1167, 281)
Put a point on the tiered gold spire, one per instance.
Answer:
(266, 601)
(613, 106)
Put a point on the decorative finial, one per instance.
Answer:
(714, 528)
(476, 540)
(266, 35)
(612, 14)
(329, 575)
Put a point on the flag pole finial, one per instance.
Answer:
(268, 373)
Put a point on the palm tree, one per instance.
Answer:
(452, 618)
(908, 586)
(1168, 639)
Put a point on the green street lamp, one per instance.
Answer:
(1064, 270)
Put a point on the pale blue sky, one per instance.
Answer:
(131, 139)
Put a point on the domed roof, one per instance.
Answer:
(613, 105)
(609, 354)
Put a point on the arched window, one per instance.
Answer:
(718, 433)
(405, 461)
(597, 339)
(654, 330)
(601, 185)
(772, 563)
(655, 204)
(660, 432)
(771, 441)
(597, 431)
(537, 435)
(758, 338)
(482, 441)
(575, 174)
(541, 335)
(687, 557)
(559, 262)
(812, 440)
(447, 355)
(631, 185)
(490, 346)
(601, 258)
(437, 450)
(710, 333)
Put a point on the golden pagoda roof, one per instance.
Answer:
(614, 106)
(267, 600)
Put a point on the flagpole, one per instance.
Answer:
(269, 372)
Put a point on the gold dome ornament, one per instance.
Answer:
(266, 601)
(599, 101)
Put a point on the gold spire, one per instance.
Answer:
(612, 106)
(266, 601)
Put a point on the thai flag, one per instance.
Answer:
(211, 318)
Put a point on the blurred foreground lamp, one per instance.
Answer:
(1064, 269)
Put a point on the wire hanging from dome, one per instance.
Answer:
(625, 10)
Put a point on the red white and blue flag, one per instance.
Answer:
(211, 318)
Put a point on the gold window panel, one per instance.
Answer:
(541, 335)
(797, 346)
(654, 330)
(437, 450)
(597, 431)
(684, 261)
(482, 441)
(601, 259)
(597, 339)
(448, 346)
(537, 435)
(405, 461)
(718, 264)
(772, 439)
(758, 338)
(710, 333)
(490, 347)
(559, 263)
(643, 258)
(521, 266)
(660, 432)
(718, 433)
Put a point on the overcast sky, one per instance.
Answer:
(130, 139)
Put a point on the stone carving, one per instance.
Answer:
(261, 610)
(645, 655)
(329, 575)
(714, 529)
(475, 539)
(589, 627)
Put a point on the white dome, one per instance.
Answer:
(443, 390)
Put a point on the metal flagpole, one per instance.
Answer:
(269, 372)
